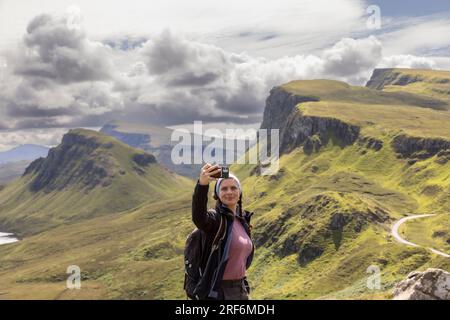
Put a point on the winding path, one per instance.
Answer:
(394, 232)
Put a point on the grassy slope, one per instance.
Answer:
(26, 212)
(369, 178)
(337, 91)
(366, 180)
(122, 253)
(138, 254)
(431, 232)
(135, 254)
(428, 83)
(376, 119)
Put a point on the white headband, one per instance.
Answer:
(231, 176)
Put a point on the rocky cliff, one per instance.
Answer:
(383, 77)
(433, 85)
(309, 114)
(296, 129)
(80, 159)
(87, 175)
(421, 148)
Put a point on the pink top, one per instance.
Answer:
(240, 248)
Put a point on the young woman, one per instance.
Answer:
(227, 235)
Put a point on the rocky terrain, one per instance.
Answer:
(432, 284)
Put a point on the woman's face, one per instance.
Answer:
(229, 192)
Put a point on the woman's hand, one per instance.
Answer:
(207, 171)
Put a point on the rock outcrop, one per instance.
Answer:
(432, 284)
(314, 132)
(418, 147)
(436, 82)
(296, 129)
(279, 105)
(389, 76)
(144, 159)
(402, 77)
(370, 143)
(75, 160)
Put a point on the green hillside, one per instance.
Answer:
(134, 254)
(89, 174)
(99, 204)
(431, 232)
(428, 83)
(354, 160)
(326, 217)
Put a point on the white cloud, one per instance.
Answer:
(442, 63)
(407, 61)
(59, 77)
(209, 83)
(417, 36)
(167, 80)
(45, 137)
(263, 28)
(352, 58)
(53, 50)
(9, 140)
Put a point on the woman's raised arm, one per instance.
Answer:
(202, 218)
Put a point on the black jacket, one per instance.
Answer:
(208, 221)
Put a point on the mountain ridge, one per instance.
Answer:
(95, 173)
(23, 152)
(354, 161)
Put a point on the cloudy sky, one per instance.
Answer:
(66, 64)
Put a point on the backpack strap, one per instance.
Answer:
(217, 237)
(219, 231)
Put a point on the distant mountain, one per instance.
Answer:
(157, 141)
(87, 175)
(152, 139)
(12, 170)
(138, 135)
(23, 152)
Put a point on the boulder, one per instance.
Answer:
(432, 284)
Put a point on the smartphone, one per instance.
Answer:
(224, 172)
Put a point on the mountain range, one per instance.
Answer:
(353, 161)
(23, 152)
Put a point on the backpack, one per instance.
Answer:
(195, 259)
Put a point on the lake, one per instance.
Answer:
(7, 238)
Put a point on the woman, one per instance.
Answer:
(227, 235)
